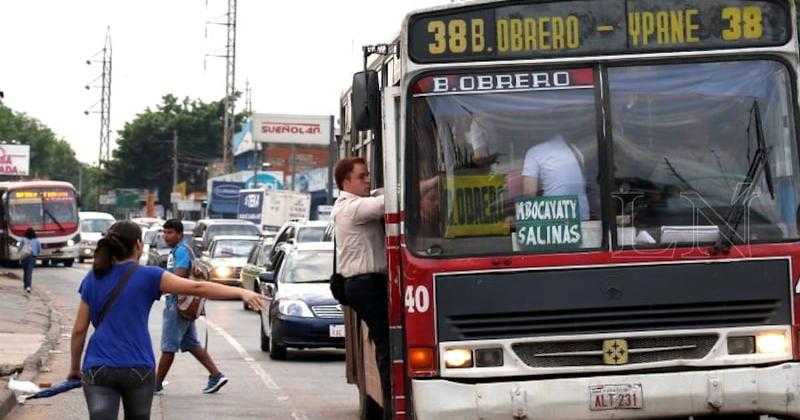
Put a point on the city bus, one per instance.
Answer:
(612, 228)
(51, 209)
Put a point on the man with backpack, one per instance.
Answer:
(178, 331)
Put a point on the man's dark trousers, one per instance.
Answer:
(367, 295)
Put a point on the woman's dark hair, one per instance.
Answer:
(30, 233)
(118, 244)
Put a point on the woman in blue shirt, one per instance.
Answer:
(119, 362)
(32, 248)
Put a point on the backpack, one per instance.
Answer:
(190, 307)
(26, 250)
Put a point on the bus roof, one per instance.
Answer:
(11, 185)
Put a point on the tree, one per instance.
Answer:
(51, 157)
(143, 157)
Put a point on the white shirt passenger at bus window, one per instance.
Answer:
(478, 138)
(359, 234)
(554, 168)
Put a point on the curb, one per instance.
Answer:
(34, 362)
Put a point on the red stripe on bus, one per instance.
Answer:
(393, 217)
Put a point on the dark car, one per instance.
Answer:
(302, 312)
(206, 229)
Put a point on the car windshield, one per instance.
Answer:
(310, 233)
(233, 230)
(307, 267)
(96, 225)
(519, 168)
(232, 248)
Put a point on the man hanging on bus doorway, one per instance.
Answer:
(361, 257)
(179, 333)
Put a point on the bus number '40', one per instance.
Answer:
(417, 299)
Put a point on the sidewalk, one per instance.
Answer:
(27, 332)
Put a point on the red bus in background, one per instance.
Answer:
(50, 208)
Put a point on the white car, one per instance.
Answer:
(94, 225)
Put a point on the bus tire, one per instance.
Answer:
(368, 409)
(68, 263)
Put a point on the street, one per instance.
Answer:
(309, 385)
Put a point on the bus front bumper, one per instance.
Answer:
(63, 253)
(771, 390)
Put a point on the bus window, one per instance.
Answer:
(685, 137)
(481, 156)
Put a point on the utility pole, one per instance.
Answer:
(105, 103)
(105, 99)
(174, 159)
(230, 86)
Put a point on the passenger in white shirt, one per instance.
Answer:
(361, 256)
(555, 168)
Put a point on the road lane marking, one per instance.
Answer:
(265, 377)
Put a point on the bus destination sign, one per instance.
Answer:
(589, 27)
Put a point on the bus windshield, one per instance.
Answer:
(514, 158)
(50, 209)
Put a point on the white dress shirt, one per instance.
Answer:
(360, 247)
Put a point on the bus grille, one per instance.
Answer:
(598, 300)
(590, 352)
(636, 318)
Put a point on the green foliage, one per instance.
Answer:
(92, 186)
(143, 157)
(51, 157)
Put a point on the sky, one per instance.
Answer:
(297, 55)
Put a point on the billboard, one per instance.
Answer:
(292, 129)
(250, 205)
(225, 196)
(243, 140)
(15, 159)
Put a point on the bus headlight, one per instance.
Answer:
(458, 358)
(294, 307)
(772, 343)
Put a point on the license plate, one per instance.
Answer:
(615, 397)
(336, 330)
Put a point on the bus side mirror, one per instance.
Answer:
(366, 101)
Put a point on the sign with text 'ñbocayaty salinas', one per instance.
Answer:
(292, 129)
(525, 30)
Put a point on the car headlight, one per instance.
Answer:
(223, 272)
(295, 308)
(70, 243)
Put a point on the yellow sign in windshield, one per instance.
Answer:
(475, 206)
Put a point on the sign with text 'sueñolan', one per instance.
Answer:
(292, 129)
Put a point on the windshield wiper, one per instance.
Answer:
(680, 178)
(47, 212)
(758, 163)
